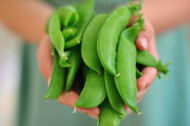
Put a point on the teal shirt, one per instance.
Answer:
(165, 104)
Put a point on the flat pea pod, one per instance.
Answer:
(109, 36)
(108, 116)
(147, 59)
(68, 14)
(57, 78)
(69, 33)
(93, 93)
(86, 12)
(89, 43)
(126, 67)
(75, 61)
(113, 95)
(57, 39)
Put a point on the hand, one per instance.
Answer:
(45, 63)
(146, 41)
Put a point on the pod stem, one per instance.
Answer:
(163, 69)
(136, 9)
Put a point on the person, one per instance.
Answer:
(28, 19)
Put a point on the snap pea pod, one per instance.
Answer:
(57, 39)
(93, 93)
(84, 71)
(138, 73)
(113, 95)
(75, 61)
(89, 43)
(109, 35)
(57, 78)
(68, 14)
(86, 12)
(147, 59)
(108, 116)
(46, 29)
(69, 32)
(126, 67)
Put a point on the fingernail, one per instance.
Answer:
(48, 81)
(144, 43)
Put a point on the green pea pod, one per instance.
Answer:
(86, 12)
(108, 116)
(93, 93)
(63, 61)
(69, 32)
(85, 70)
(126, 67)
(57, 78)
(69, 15)
(89, 43)
(147, 59)
(55, 33)
(113, 95)
(75, 61)
(109, 36)
(57, 39)
(138, 73)
(46, 29)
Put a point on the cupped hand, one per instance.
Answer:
(146, 41)
(45, 64)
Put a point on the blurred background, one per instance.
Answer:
(10, 61)
(10, 73)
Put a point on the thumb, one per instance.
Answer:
(145, 37)
(45, 58)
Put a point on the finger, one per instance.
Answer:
(145, 37)
(69, 99)
(45, 58)
(88, 112)
(128, 109)
(141, 93)
(149, 75)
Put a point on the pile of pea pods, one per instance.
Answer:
(101, 50)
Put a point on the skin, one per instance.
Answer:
(155, 22)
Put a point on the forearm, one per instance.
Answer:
(165, 14)
(27, 18)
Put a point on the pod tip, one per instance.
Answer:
(117, 75)
(74, 110)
